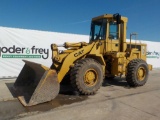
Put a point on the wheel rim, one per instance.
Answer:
(90, 77)
(141, 73)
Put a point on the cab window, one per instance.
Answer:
(98, 29)
(113, 30)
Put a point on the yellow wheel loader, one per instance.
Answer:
(106, 55)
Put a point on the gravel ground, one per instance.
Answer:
(114, 101)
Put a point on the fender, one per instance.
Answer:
(71, 58)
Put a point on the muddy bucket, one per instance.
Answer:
(36, 84)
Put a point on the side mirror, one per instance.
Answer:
(117, 17)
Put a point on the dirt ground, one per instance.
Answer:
(114, 101)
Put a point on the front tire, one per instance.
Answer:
(137, 73)
(86, 76)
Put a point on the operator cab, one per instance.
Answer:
(110, 30)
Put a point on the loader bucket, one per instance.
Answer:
(36, 84)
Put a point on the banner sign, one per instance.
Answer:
(22, 52)
(33, 45)
(153, 54)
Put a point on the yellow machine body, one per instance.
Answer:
(108, 48)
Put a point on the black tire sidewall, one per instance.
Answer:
(98, 69)
(144, 65)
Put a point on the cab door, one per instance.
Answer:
(113, 36)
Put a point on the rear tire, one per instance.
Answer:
(137, 73)
(86, 76)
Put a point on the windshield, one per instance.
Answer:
(98, 29)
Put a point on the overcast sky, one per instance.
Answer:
(74, 16)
